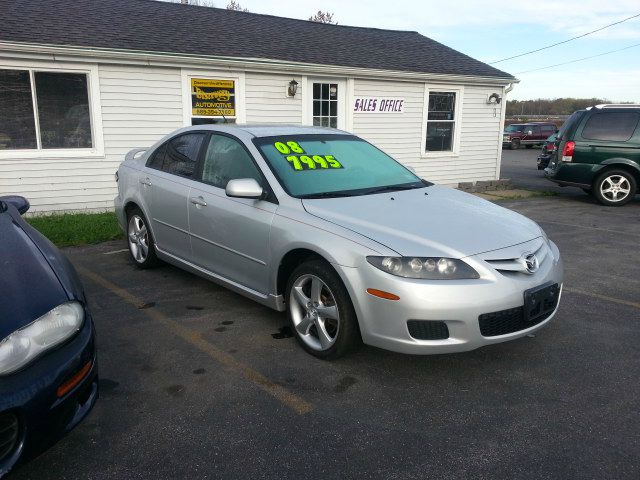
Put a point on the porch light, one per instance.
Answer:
(293, 88)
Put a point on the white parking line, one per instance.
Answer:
(116, 251)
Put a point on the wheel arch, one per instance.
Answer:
(620, 164)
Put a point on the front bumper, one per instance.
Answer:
(458, 303)
(30, 396)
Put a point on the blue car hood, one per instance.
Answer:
(29, 287)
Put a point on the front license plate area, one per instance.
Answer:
(540, 301)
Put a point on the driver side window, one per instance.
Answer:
(226, 159)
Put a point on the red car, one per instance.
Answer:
(527, 134)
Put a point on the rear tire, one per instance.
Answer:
(140, 240)
(615, 188)
(320, 311)
(515, 144)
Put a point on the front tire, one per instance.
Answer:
(141, 243)
(614, 188)
(515, 144)
(320, 311)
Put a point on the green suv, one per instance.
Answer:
(598, 150)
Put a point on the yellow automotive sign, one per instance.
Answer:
(213, 98)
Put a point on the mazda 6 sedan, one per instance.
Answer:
(349, 242)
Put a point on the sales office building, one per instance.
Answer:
(84, 82)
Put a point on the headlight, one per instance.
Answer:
(48, 331)
(431, 268)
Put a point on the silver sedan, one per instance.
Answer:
(350, 243)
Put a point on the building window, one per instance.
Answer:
(441, 122)
(325, 105)
(44, 110)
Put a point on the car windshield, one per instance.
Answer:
(514, 128)
(316, 166)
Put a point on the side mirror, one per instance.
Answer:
(21, 203)
(244, 188)
(529, 132)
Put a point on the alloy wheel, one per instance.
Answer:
(615, 188)
(314, 312)
(138, 238)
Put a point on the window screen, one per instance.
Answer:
(227, 160)
(17, 123)
(62, 115)
(181, 154)
(614, 126)
(63, 110)
(441, 121)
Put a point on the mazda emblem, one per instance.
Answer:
(530, 262)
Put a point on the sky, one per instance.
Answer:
(491, 30)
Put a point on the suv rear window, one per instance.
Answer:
(614, 126)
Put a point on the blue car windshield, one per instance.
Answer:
(316, 166)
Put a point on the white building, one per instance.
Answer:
(83, 82)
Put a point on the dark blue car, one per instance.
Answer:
(48, 369)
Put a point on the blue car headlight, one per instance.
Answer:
(430, 268)
(50, 330)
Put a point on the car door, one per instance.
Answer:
(230, 236)
(166, 183)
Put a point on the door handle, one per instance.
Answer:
(198, 201)
(146, 182)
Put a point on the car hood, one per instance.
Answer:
(431, 221)
(28, 285)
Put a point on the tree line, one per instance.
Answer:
(546, 106)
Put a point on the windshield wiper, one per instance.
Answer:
(392, 188)
(328, 195)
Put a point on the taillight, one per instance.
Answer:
(567, 151)
(550, 147)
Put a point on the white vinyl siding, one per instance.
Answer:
(267, 100)
(139, 105)
(402, 136)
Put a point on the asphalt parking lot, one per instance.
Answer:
(198, 382)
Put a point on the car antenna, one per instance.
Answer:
(224, 118)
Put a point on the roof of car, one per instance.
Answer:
(268, 130)
(173, 28)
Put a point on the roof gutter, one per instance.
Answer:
(62, 53)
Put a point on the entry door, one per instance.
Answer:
(230, 236)
(327, 103)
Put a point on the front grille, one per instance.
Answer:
(8, 434)
(428, 329)
(507, 321)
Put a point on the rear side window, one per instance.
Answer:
(614, 126)
(548, 129)
(179, 155)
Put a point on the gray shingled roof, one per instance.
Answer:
(153, 26)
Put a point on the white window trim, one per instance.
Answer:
(237, 77)
(459, 91)
(342, 99)
(95, 112)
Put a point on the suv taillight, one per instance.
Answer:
(567, 151)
